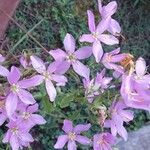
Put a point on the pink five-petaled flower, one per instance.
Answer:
(27, 117)
(72, 57)
(97, 36)
(3, 71)
(110, 59)
(107, 11)
(103, 141)
(17, 90)
(118, 116)
(96, 86)
(17, 136)
(49, 75)
(72, 135)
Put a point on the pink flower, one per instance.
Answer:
(49, 75)
(141, 77)
(118, 116)
(27, 117)
(110, 59)
(107, 11)
(17, 136)
(72, 57)
(97, 36)
(25, 60)
(96, 86)
(17, 90)
(135, 95)
(3, 71)
(72, 135)
(2, 59)
(103, 141)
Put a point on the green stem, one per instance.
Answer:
(7, 148)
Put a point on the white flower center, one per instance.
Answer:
(15, 88)
(26, 115)
(101, 142)
(109, 58)
(95, 35)
(71, 58)
(15, 131)
(47, 75)
(72, 136)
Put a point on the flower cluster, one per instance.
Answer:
(18, 106)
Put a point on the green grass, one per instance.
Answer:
(60, 17)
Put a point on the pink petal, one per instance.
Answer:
(26, 97)
(23, 61)
(58, 54)
(33, 108)
(67, 126)
(11, 104)
(126, 115)
(2, 118)
(2, 59)
(61, 141)
(14, 143)
(105, 82)
(81, 69)
(63, 68)
(118, 58)
(26, 137)
(122, 132)
(116, 68)
(96, 145)
(107, 123)
(69, 43)
(3, 71)
(54, 66)
(60, 79)
(81, 128)
(6, 137)
(72, 145)
(97, 51)
(140, 67)
(103, 25)
(14, 75)
(114, 27)
(38, 119)
(83, 140)
(108, 39)
(109, 9)
(113, 129)
(116, 74)
(38, 64)
(100, 6)
(91, 21)
(86, 38)
(84, 52)
(50, 90)
(32, 82)
(114, 52)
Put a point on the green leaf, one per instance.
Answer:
(48, 106)
(65, 99)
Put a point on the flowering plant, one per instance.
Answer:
(129, 79)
